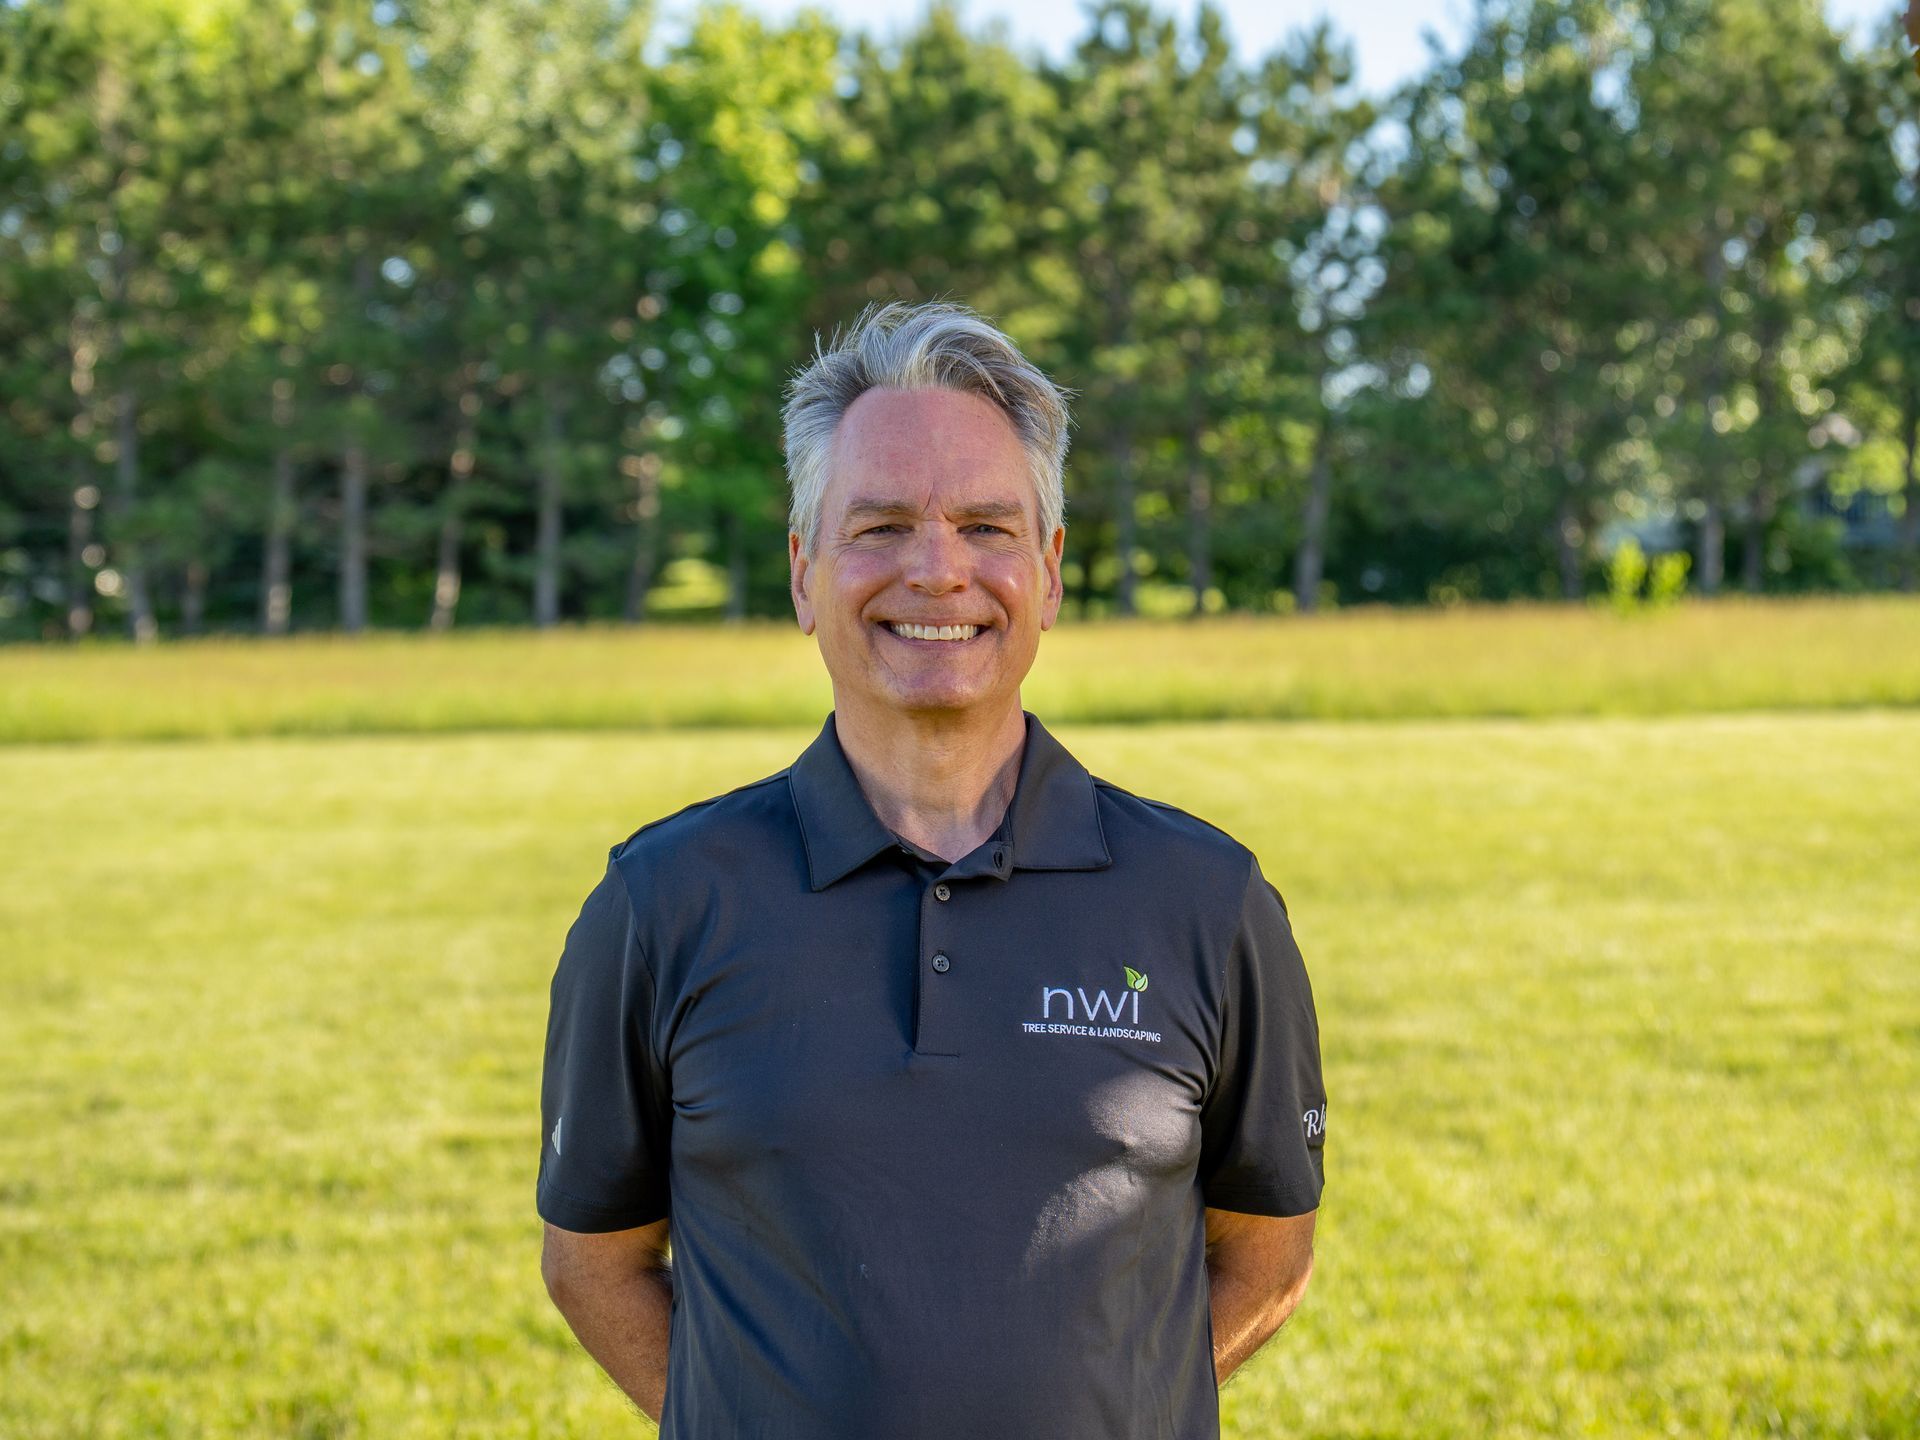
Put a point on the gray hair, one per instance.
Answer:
(933, 346)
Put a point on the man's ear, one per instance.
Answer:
(1056, 587)
(797, 564)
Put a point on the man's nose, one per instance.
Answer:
(937, 560)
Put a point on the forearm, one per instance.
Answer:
(622, 1322)
(1246, 1314)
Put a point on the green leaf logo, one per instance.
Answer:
(1135, 980)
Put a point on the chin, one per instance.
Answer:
(936, 699)
(930, 701)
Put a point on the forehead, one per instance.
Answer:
(911, 444)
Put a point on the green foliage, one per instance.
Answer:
(447, 311)
(1806, 553)
(1625, 570)
(1665, 578)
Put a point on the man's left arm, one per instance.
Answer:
(1257, 1268)
(1263, 1132)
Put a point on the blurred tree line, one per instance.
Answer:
(329, 315)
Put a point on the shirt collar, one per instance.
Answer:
(1052, 824)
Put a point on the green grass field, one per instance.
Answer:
(1621, 1021)
(1369, 663)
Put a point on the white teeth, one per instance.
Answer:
(934, 632)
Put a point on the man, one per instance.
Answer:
(978, 1096)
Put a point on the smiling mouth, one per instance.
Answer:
(932, 634)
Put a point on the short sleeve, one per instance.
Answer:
(605, 1105)
(1264, 1122)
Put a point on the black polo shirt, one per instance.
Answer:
(934, 1137)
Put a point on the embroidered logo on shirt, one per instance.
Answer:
(1075, 1012)
(1316, 1122)
(556, 1133)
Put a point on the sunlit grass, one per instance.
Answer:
(1621, 1018)
(1375, 663)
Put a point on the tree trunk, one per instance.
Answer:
(126, 436)
(1709, 571)
(1569, 528)
(732, 530)
(276, 575)
(1909, 545)
(1753, 547)
(453, 519)
(446, 571)
(276, 581)
(1123, 516)
(1119, 329)
(645, 470)
(1199, 521)
(353, 485)
(193, 600)
(353, 537)
(1713, 546)
(1081, 594)
(1309, 561)
(133, 567)
(79, 535)
(1567, 539)
(546, 575)
(85, 495)
(1764, 495)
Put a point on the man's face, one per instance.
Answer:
(929, 518)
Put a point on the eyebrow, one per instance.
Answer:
(867, 506)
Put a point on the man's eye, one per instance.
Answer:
(977, 525)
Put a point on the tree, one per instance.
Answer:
(1884, 379)
(1504, 254)
(743, 106)
(1148, 115)
(1315, 207)
(120, 141)
(1750, 131)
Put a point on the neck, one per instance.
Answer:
(944, 782)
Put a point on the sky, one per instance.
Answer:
(1389, 45)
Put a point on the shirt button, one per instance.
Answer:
(940, 963)
(941, 892)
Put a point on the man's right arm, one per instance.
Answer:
(616, 1292)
